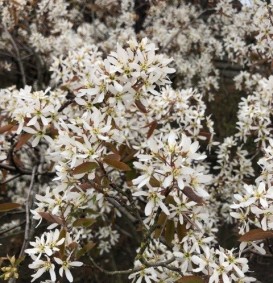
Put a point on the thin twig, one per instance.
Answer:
(12, 228)
(146, 264)
(10, 179)
(122, 209)
(27, 205)
(18, 56)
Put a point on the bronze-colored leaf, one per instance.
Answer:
(140, 106)
(62, 246)
(6, 128)
(84, 168)
(152, 127)
(84, 222)
(255, 235)
(181, 231)
(169, 231)
(111, 147)
(8, 206)
(188, 191)
(113, 156)
(154, 182)
(190, 279)
(50, 217)
(117, 164)
(23, 139)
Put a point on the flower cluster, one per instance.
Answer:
(110, 136)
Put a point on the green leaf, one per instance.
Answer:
(84, 167)
(89, 246)
(162, 219)
(19, 260)
(190, 279)
(84, 222)
(8, 206)
(255, 235)
(117, 164)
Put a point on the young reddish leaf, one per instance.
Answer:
(112, 147)
(117, 164)
(17, 161)
(154, 182)
(84, 167)
(192, 195)
(89, 246)
(190, 279)
(169, 231)
(6, 128)
(23, 139)
(140, 106)
(8, 206)
(73, 245)
(152, 127)
(84, 222)
(50, 218)
(113, 156)
(255, 235)
(127, 153)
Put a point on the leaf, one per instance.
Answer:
(112, 147)
(255, 235)
(89, 246)
(154, 182)
(181, 231)
(8, 206)
(169, 231)
(6, 128)
(62, 246)
(140, 106)
(19, 260)
(50, 218)
(152, 127)
(114, 156)
(84, 222)
(23, 139)
(117, 164)
(188, 191)
(84, 167)
(190, 279)
(161, 225)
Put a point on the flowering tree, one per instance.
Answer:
(108, 143)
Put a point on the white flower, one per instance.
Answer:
(66, 265)
(43, 266)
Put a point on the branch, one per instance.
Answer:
(18, 58)
(27, 205)
(121, 209)
(24, 171)
(137, 269)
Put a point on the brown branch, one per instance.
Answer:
(18, 56)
